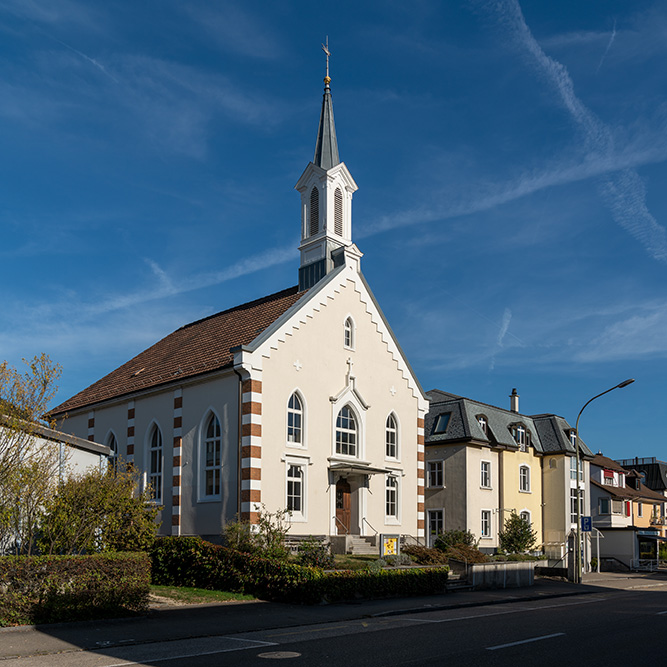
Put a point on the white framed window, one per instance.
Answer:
(391, 498)
(521, 436)
(524, 479)
(525, 515)
(211, 460)
(346, 432)
(604, 506)
(296, 491)
(485, 474)
(573, 505)
(573, 468)
(436, 477)
(436, 525)
(155, 463)
(348, 333)
(295, 420)
(483, 423)
(485, 527)
(640, 510)
(391, 437)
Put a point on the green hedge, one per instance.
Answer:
(50, 589)
(190, 561)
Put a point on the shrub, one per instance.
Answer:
(517, 535)
(316, 554)
(189, 561)
(467, 554)
(453, 538)
(376, 565)
(265, 538)
(399, 559)
(49, 589)
(425, 555)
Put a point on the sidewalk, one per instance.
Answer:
(229, 618)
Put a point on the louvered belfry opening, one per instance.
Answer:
(338, 212)
(314, 211)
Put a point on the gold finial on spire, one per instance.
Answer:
(325, 48)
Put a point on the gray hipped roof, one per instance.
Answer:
(326, 149)
(549, 433)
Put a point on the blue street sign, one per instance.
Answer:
(586, 524)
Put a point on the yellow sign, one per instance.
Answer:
(390, 545)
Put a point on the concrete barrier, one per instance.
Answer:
(509, 574)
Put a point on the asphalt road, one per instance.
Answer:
(605, 628)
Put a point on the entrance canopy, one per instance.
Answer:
(356, 469)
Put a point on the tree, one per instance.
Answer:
(99, 511)
(517, 535)
(28, 465)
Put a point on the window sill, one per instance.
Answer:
(295, 445)
(486, 488)
(523, 491)
(391, 521)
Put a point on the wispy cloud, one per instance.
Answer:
(612, 37)
(623, 192)
(92, 61)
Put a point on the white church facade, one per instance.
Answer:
(302, 400)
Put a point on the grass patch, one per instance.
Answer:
(350, 562)
(187, 595)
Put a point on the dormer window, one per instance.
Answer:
(483, 424)
(521, 436)
(441, 422)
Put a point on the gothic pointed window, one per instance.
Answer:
(346, 433)
(338, 212)
(155, 463)
(212, 458)
(295, 420)
(391, 438)
(314, 220)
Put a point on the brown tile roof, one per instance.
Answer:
(199, 347)
(628, 493)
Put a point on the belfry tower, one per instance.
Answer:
(326, 187)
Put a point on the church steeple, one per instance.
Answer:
(326, 188)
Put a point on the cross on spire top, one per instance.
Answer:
(325, 48)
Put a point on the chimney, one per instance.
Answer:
(514, 401)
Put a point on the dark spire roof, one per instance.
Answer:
(326, 149)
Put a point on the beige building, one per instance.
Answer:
(484, 463)
(301, 400)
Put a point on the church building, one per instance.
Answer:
(301, 400)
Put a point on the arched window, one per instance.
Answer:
(346, 433)
(525, 515)
(314, 221)
(155, 463)
(112, 444)
(338, 212)
(295, 420)
(391, 438)
(349, 333)
(212, 459)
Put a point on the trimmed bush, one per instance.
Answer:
(425, 555)
(50, 589)
(313, 552)
(190, 561)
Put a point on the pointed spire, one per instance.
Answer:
(326, 149)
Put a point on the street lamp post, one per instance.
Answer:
(578, 554)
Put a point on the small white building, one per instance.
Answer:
(301, 400)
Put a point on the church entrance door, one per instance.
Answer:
(343, 514)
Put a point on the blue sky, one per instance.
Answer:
(510, 157)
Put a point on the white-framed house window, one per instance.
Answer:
(348, 333)
(211, 459)
(485, 524)
(436, 525)
(435, 476)
(295, 491)
(155, 462)
(525, 515)
(485, 474)
(521, 436)
(347, 432)
(391, 499)
(391, 437)
(295, 421)
(573, 468)
(524, 479)
(573, 504)
(483, 423)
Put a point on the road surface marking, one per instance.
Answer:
(525, 641)
(661, 613)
